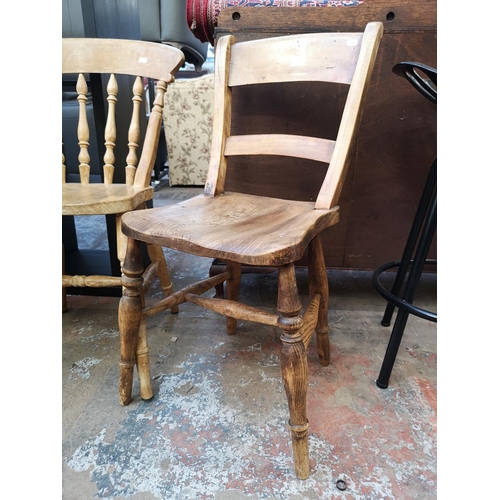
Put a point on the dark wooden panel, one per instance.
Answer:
(396, 147)
(398, 16)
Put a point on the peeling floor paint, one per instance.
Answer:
(192, 444)
(81, 369)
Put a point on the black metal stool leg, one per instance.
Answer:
(417, 266)
(416, 227)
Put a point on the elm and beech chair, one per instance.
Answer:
(240, 228)
(111, 57)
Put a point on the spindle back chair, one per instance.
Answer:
(110, 57)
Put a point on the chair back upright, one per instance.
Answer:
(85, 56)
(340, 58)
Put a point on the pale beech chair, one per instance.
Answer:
(110, 57)
(255, 230)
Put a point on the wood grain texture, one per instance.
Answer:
(397, 17)
(234, 226)
(294, 369)
(95, 199)
(311, 148)
(318, 286)
(179, 297)
(234, 309)
(110, 130)
(232, 292)
(333, 56)
(221, 127)
(129, 57)
(346, 137)
(83, 130)
(130, 319)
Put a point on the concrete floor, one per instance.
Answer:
(216, 428)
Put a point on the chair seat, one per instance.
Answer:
(260, 231)
(96, 199)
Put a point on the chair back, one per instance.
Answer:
(83, 57)
(344, 59)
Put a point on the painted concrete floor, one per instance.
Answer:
(216, 428)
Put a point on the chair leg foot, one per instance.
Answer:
(125, 383)
(143, 368)
(300, 446)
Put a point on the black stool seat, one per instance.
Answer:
(419, 240)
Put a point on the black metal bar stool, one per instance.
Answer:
(419, 240)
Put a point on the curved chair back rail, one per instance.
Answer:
(130, 57)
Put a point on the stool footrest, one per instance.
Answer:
(401, 304)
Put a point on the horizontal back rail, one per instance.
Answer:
(130, 57)
(329, 57)
(310, 148)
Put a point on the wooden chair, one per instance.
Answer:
(248, 229)
(84, 56)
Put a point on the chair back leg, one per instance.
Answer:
(318, 284)
(232, 292)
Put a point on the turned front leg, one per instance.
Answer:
(294, 366)
(129, 318)
(318, 284)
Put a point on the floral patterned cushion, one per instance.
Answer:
(187, 118)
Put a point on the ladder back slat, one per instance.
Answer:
(310, 148)
(284, 59)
